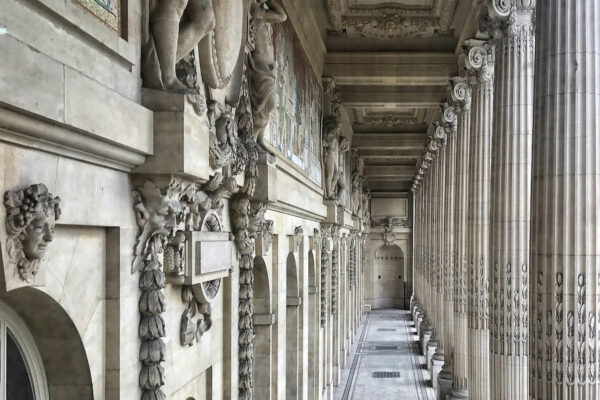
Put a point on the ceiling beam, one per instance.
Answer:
(389, 141)
(393, 96)
(383, 68)
(391, 171)
(385, 153)
(387, 186)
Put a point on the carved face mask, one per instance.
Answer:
(37, 235)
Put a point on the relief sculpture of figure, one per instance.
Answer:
(262, 71)
(334, 146)
(176, 27)
(355, 197)
(31, 215)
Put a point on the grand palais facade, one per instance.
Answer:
(299, 199)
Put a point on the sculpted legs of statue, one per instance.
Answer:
(177, 26)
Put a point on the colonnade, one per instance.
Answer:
(507, 273)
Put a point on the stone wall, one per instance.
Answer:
(124, 158)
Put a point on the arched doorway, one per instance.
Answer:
(23, 374)
(54, 334)
(313, 328)
(390, 284)
(292, 324)
(263, 331)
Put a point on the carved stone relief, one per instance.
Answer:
(262, 67)
(298, 232)
(164, 215)
(335, 236)
(31, 216)
(334, 146)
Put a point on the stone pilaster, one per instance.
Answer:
(512, 31)
(449, 120)
(565, 224)
(461, 94)
(479, 60)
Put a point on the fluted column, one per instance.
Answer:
(565, 225)
(513, 39)
(435, 148)
(438, 357)
(461, 94)
(449, 120)
(480, 62)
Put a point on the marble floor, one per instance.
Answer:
(385, 362)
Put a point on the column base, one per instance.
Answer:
(431, 346)
(425, 340)
(444, 382)
(458, 394)
(437, 361)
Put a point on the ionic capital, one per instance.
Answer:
(449, 119)
(480, 58)
(460, 91)
(508, 17)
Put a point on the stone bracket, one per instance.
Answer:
(294, 301)
(264, 319)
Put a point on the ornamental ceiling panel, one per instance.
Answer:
(391, 19)
(398, 3)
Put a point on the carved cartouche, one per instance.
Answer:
(31, 216)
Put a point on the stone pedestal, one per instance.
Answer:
(444, 381)
(437, 361)
(420, 324)
(181, 136)
(425, 340)
(458, 394)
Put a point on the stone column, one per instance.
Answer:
(425, 327)
(439, 356)
(449, 120)
(565, 224)
(461, 95)
(435, 216)
(512, 31)
(481, 61)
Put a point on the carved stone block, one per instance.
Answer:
(181, 141)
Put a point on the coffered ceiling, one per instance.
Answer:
(392, 61)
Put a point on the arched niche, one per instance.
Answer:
(263, 322)
(390, 279)
(62, 352)
(292, 326)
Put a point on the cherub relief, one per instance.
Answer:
(263, 69)
(31, 216)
